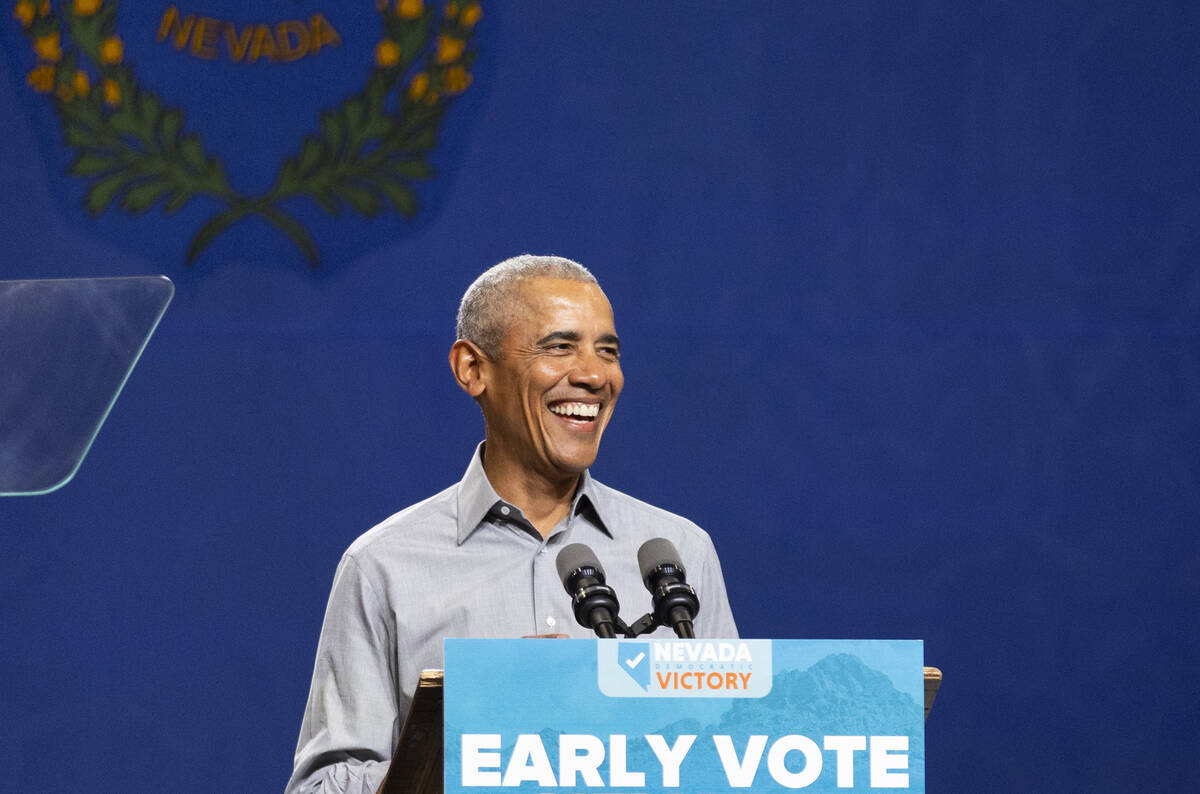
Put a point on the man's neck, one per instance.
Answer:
(544, 502)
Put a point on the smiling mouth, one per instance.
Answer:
(577, 413)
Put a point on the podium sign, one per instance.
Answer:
(684, 716)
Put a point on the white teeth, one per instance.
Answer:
(584, 410)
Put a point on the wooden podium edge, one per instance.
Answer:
(417, 762)
(933, 680)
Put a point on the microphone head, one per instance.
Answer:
(575, 559)
(655, 555)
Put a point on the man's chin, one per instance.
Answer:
(574, 463)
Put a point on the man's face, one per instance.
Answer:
(551, 391)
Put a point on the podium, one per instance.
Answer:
(67, 347)
(417, 763)
(419, 759)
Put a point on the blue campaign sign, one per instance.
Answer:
(685, 716)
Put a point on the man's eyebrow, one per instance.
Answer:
(560, 336)
(575, 336)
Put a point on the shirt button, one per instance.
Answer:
(542, 550)
(504, 510)
(551, 622)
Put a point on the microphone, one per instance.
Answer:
(595, 603)
(675, 602)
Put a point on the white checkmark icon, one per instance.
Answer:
(635, 661)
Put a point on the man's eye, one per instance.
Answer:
(611, 352)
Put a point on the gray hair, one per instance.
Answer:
(488, 303)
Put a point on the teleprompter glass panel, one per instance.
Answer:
(67, 347)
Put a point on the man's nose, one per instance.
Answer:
(590, 371)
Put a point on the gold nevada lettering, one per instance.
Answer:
(209, 38)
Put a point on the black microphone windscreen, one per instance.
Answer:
(574, 557)
(655, 553)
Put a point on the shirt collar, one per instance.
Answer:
(477, 498)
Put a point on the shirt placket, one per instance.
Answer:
(551, 604)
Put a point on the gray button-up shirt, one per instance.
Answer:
(465, 563)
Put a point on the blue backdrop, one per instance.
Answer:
(909, 301)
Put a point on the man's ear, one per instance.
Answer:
(468, 363)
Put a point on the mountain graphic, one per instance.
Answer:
(839, 695)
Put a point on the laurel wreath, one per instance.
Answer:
(135, 151)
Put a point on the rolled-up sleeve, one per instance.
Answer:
(352, 718)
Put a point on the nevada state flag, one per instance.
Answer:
(297, 132)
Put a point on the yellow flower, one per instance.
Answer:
(112, 92)
(431, 98)
(409, 9)
(112, 50)
(48, 47)
(41, 78)
(387, 53)
(449, 48)
(24, 12)
(44, 8)
(451, 9)
(65, 92)
(418, 86)
(85, 8)
(81, 83)
(470, 16)
(457, 80)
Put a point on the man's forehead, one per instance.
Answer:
(548, 305)
(551, 295)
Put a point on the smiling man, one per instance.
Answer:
(538, 350)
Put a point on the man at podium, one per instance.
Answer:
(537, 349)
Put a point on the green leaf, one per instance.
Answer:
(142, 196)
(287, 181)
(86, 32)
(172, 123)
(107, 18)
(78, 137)
(331, 125)
(213, 227)
(297, 233)
(83, 114)
(411, 169)
(413, 35)
(149, 107)
(328, 203)
(403, 199)
(422, 140)
(418, 115)
(361, 199)
(125, 122)
(214, 180)
(352, 112)
(193, 152)
(375, 94)
(310, 154)
(101, 194)
(42, 26)
(377, 127)
(177, 201)
(92, 164)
